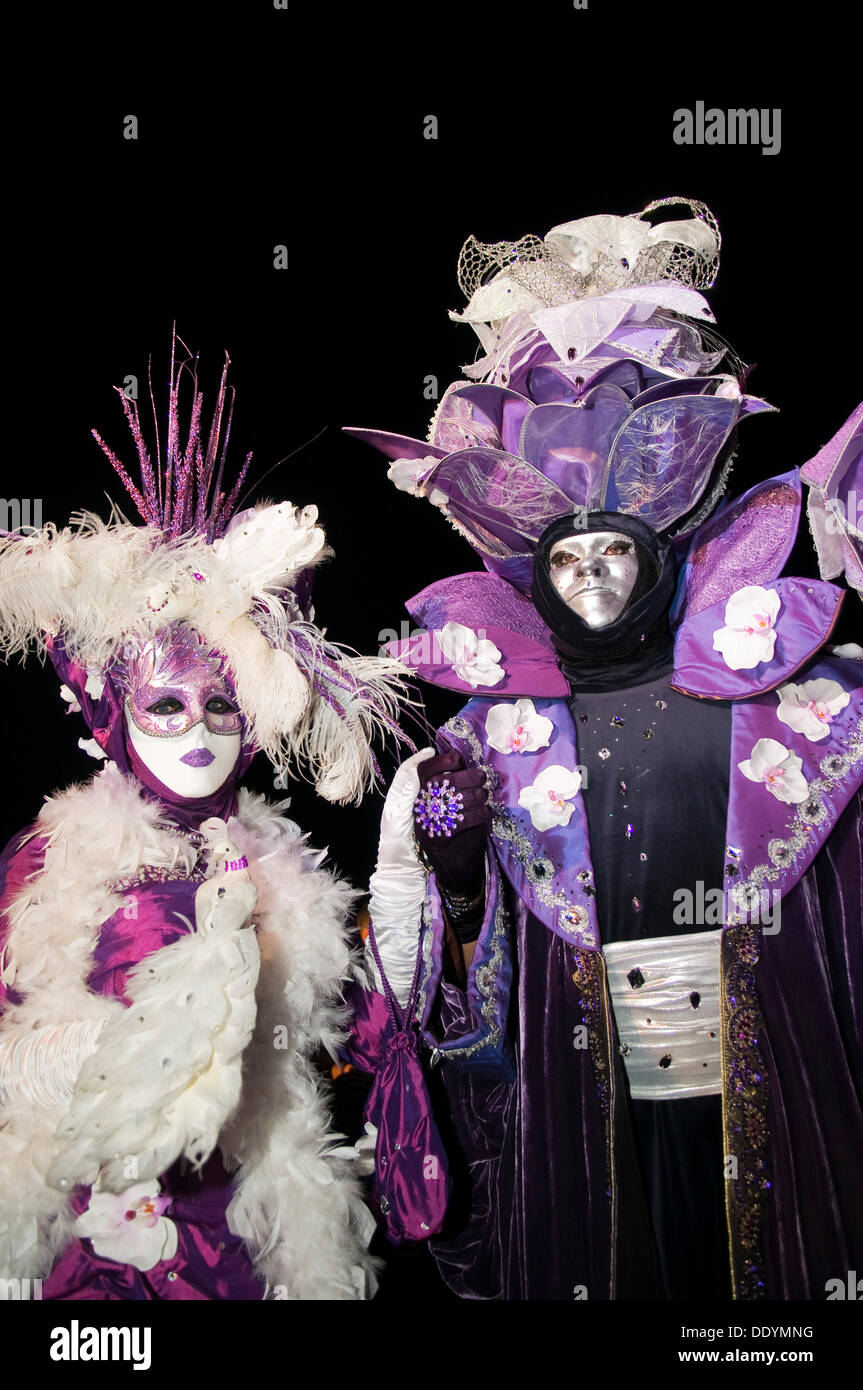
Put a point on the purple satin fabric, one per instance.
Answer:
(412, 1183)
(410, 1162)
(808, 613)
(153, 915)
(210, 1262)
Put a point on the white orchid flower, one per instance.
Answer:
(810, 708)
(474, 659)
(771, 763)
(130, 1226)
(517, 728)
(549, 799)
(748, 636)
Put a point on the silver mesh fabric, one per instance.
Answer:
(540, 268)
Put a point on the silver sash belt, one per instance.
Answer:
(665, 995)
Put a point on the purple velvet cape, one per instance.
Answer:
(540, 1148)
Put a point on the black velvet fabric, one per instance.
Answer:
(680, 1148)
(656, 804)
(656, 786)
(656, 808)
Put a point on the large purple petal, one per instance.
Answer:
(571, 443)
(395, 446)
(496, 415)
(501, 502)
(668, 388)
(662, 459)
(565, 384)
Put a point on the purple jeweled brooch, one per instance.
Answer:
(437, 809)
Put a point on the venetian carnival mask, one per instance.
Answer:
(181, 713)
(595, 573)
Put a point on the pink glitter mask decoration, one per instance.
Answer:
(175, 683)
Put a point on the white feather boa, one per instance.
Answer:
(297, 1207)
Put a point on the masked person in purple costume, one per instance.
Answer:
(174, 953)
(641, 941)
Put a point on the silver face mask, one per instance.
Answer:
(594, 572)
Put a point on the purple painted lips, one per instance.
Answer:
(199, 757)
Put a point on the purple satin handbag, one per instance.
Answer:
(412, 1180)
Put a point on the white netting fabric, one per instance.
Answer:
(688, 255)
(672, 260)
(530, 262)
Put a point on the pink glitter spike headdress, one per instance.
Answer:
(183, 492)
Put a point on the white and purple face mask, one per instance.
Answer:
(181, 713)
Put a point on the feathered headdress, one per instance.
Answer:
(236, 578)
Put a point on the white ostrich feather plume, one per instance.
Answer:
(101, 586)
(101, 583)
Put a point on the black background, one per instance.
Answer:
(305, 127)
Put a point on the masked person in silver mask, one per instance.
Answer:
(655, 791)
(652, 1088)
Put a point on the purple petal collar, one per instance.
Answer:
(808, 613)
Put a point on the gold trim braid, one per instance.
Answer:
(744, 1111)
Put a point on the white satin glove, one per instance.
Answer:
(398, 885)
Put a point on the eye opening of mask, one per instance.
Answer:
(562, 557)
